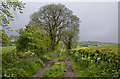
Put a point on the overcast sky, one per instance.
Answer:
(99, 20)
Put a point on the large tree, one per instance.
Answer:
(53, 19)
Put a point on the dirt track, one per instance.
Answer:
(41, 72)
(69, 71)
(68, 74)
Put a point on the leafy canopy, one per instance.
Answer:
(54, 20)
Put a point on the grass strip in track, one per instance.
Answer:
(57, 70)
(7, 49)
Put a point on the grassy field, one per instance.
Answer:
(113, 47)
(7, 49)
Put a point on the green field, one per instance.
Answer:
(113, 47)
(7, 49)
(93, 43)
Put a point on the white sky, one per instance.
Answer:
(99, 20)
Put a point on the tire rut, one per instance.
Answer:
(69, 71)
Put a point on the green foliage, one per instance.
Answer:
(5, 38)
(51, 55)
(45, 57)
(62, 57)
(75, 44)
(53, 19)
(34, 40)
(6, 15)
(55, 71)
(58, 46)
(103, 70)
(23, 42)
(71, 34)
(12, 40)
(16, 64)
(79, 67)
(7, 49)
(95, 62)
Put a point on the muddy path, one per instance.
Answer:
(40, 73)
(68, 74)
(69, 71)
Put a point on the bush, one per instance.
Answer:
(99, 63)
(34, 40)
(16, 64)
(45, 57)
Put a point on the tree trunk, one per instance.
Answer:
(52, 41)
(53, 44)
(69, 44)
